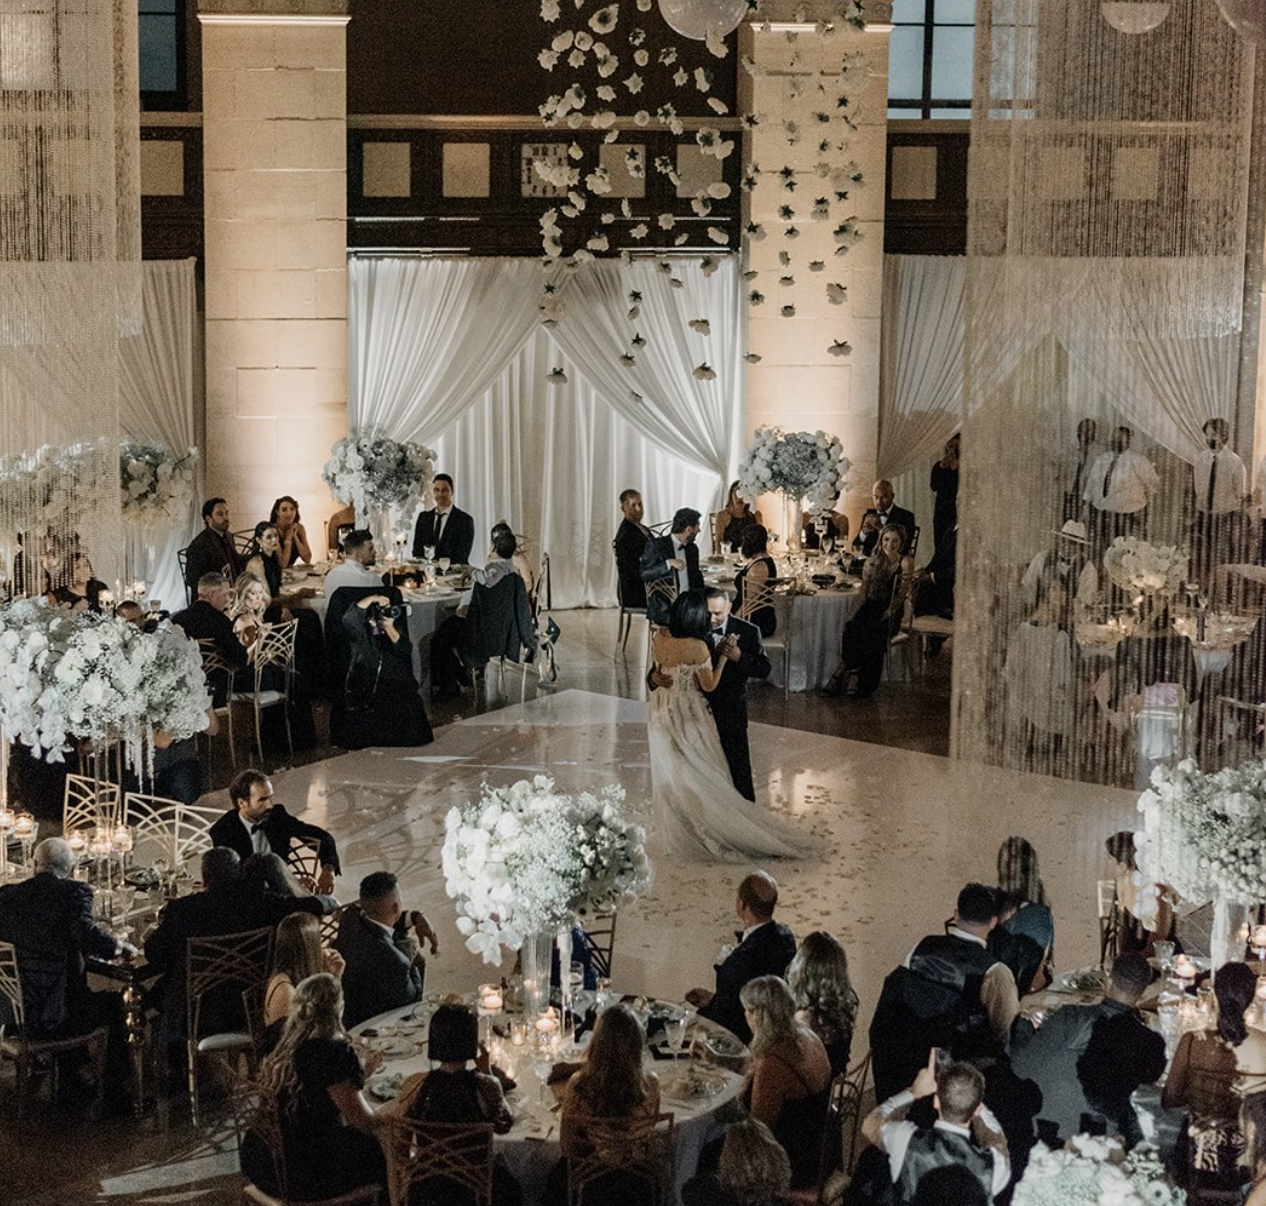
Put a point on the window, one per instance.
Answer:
(159, 29)
(930, 58)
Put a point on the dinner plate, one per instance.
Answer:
(393, 1048)
(693, 1084)
(385, 1086)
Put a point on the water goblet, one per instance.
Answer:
(675, 1032)
(428, 552)
(542, 1065)
(603, 995)
(1164, 956)
(444, 563)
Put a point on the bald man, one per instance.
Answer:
(764, 949)
(881, 495)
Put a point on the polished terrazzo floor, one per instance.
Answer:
(898, 830)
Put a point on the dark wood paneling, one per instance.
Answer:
(938, 226)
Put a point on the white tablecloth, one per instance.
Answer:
(532, 1147)
(817, 623)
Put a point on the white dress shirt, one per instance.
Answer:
(259, 843)
(898, 1133)
(1228, 483)
(441, 521)
(351, 573)
(683, 575)
(1133, 480)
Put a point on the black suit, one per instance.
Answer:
(766, 951)
(728, 700)
(901, 516)
(456, 539)
(202, 622)
(655, 557)
(49, 921)
(280, 828)
(629, 544)
(211, 553)
(379, 974)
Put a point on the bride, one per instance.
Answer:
(701, 815)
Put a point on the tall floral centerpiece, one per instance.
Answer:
(1204, 837)
(522, 861)
(1092, 1171)
(1149, 573)
(374, 473)
(806, 468)
(156, 487)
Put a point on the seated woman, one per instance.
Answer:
(825, 1001)
(518, 559)
(1039, 676)
(1203, 1077)
(313, 1078)
(456, 1092)
(886, 581)
(789, 1082)
(759, 569)
(71, 584)
(732, 521)
(1023, 939)
(291, 534)
(250, 601)
(753, 1170)
(1133, 935)
(297, 954)
(265, 564)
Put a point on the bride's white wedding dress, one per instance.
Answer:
(701, 816)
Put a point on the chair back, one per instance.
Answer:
(661, 594)
(244, 542)
(756, 596)
(88, 803)
(180, 831)
(329, 927)
(305, 858)
(599, 935)
(913, 543)
(11, 1010)
(255, 1112)
(214, 664)
(848, 1110)
(629, 1151)
(492, 621)
(237, 960)
(276, 647)
(454, 1155)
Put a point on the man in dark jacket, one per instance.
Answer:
(48, 919)
(212, 551)
(256, 825)
(205, 620)
(675, 559)
(629, 543)
(381, 945)
(764, 949)
(445, 528)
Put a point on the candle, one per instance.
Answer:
(493, 1003)
(1184, 969)
(23, 825)
(1259, 936)
(6, 820)
(547, 1025)
(78, 844)
(518, 1033)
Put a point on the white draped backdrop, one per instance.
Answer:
(453, 353)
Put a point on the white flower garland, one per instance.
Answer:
(1140, 567)
(1096, 1172)
(799, 464)
(157, 486)
(372, 472)
(527, 858)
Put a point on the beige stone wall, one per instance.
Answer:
(798, 384)
(275, 139)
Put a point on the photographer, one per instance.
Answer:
(380, 704)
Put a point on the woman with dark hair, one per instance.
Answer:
(72, 584)
(1203, 1077)
(759, 569)
(293, 537)
(825, 1001)
(702, 816)
(732, 521)
(297, 954)
(1024, 938)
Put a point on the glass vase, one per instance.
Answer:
(792, 514)
(1229, 933)
(536, 952)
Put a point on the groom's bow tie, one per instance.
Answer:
(738, 935)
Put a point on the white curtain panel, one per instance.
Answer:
(551, 460)
(921, 393)
(428, 336)
(156, 400)
(699, 421)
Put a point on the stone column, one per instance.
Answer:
(275, 148)
(799, 383)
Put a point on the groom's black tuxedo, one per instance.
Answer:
(456, 540)
(655, 558)
(729, 699)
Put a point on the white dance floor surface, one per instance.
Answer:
(898, 834)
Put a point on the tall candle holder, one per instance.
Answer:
(25, 829)
(6, 826)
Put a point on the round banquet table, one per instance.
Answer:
(531, 1148)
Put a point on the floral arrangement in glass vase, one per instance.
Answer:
(798, 464)
(157, 485)
(528, 858)
(98, 678)
(1142, 568)
(373, 472)
(1091, 1171)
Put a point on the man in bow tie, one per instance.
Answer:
(881, 495)
(256, 825)
(765, 948)
(445, 528)
(736, 643)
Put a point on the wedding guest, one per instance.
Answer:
(949, 993)
(944, 485)
(965, 1132)
(881, 496)
(825, 1001)
(951, 1183)
(1118, 488)
(765, 947)
(1087, 1060)
(313, 1079)
(866, 539)
(1219, 483)
(445, 528)
(759, 569)
(337, 528)
(789, 1080)
(934, 583)
(630, 539)
(381, 944)
(731, 522)
(356, 569)
(1024, 938)
(284, 517)
(753, 1170)
(674, 557)
(256, 824)
(836, 529)
(1132, 934)
(1039, 674)
(519, 564)
(886, 580)
(250, 601)
(212, 551)
(266, 564)
(271, 873)
(297, 954)
(205, 620)
(75, 587)
(1078, 469)
(178, 766)
(1066, 559)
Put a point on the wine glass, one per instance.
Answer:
(542, 1064)
(428, 552)
(603, 995)
(444, 563)
(675, 1032)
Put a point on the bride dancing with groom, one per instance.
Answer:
(701, 773)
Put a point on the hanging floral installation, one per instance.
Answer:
(603, 58)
